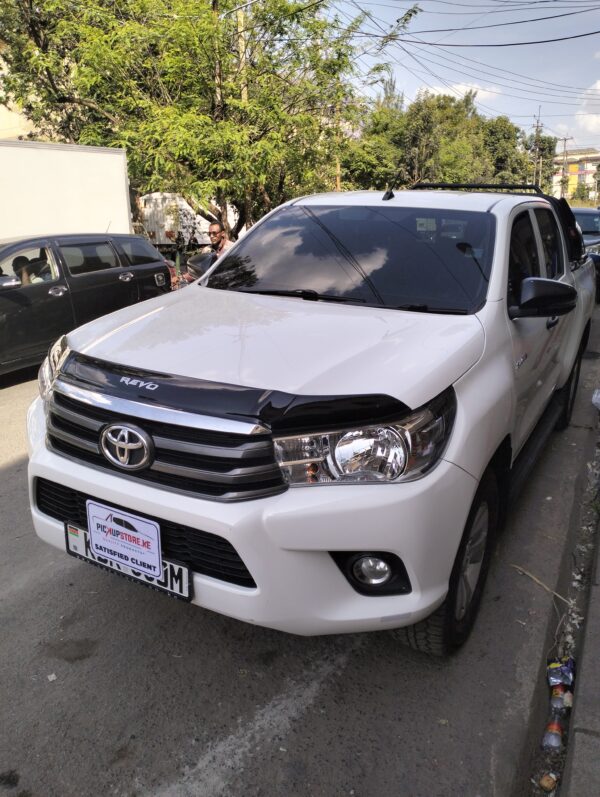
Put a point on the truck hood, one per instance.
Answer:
(287, 344)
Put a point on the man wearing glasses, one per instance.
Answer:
(218, 238)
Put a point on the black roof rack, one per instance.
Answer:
(515, 188)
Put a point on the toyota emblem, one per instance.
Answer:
(127, 447)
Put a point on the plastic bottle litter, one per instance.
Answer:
(561, 700)
(552, 741)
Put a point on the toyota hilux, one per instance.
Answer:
(321, 434)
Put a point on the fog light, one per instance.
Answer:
(371, 570)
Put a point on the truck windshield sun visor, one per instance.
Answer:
(279, 411)
(409, 258)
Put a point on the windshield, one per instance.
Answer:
(589, 221)
(407, 258)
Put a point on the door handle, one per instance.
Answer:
(552, 322)
(126, 277)
(58, 290)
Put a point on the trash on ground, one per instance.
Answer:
(552, 741)
(561, 699)
(548, 781)
(51, 677)
(561, 671)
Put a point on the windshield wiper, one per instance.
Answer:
(302, 293)
(425, 308)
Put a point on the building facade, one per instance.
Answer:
(576, 167)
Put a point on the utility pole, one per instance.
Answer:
(536, 143)
(564, 178)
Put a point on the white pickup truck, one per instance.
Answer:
(321, 434)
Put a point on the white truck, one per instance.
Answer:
(55, 189)
(321, 435)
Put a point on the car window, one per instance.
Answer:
(139, 251)
(31, 265)
(412, 258)
(551, 243)
(588, 220)
(523, 258)
(85, 258)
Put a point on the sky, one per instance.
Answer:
(555, 82)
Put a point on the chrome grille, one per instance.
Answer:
(211, 463)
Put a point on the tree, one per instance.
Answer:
(542, 150)
(582, 192)
(436, 138)
(504, 142)
(245, 109)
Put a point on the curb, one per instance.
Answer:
(581, 776)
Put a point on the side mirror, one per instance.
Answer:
(8, 281)
(198, 265)
(543, 298)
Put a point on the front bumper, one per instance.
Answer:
(285, 540)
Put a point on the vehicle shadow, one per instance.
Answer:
(18, 377)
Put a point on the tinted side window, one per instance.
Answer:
(138, 251)
(589, 221)
(31, 266)
(85, 258)
(523, 259)
(551, 243)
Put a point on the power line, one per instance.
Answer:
(535, 90)
(510, 44)
(503, 24)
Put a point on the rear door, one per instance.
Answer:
(35, 314)
(149, 267)
(533, 339)
(98, 281)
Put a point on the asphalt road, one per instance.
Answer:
(107, 688)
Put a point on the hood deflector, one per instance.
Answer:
(282, 412)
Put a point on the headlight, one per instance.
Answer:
(386, 452)
(51, 366)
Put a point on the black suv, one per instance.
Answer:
(50, 284)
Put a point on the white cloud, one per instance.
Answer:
(597, 55)
(590, 123)
(460, 89)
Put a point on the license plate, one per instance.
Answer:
(129, 545)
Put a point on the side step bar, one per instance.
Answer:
(532, 449)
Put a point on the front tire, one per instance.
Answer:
(449, 626)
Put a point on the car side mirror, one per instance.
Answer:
(543, 298)
(198, 265)
(9, 281)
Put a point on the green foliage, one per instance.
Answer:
(239, 107)
(541, 151)
(582, 192)
(437, 138)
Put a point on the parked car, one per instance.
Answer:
(589, 222)
(51, 284)
(330, 445)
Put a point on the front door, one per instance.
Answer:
(34, 314)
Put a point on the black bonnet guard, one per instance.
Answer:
(283, 413)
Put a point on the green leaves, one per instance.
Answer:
(436, 138)
(209, 102)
